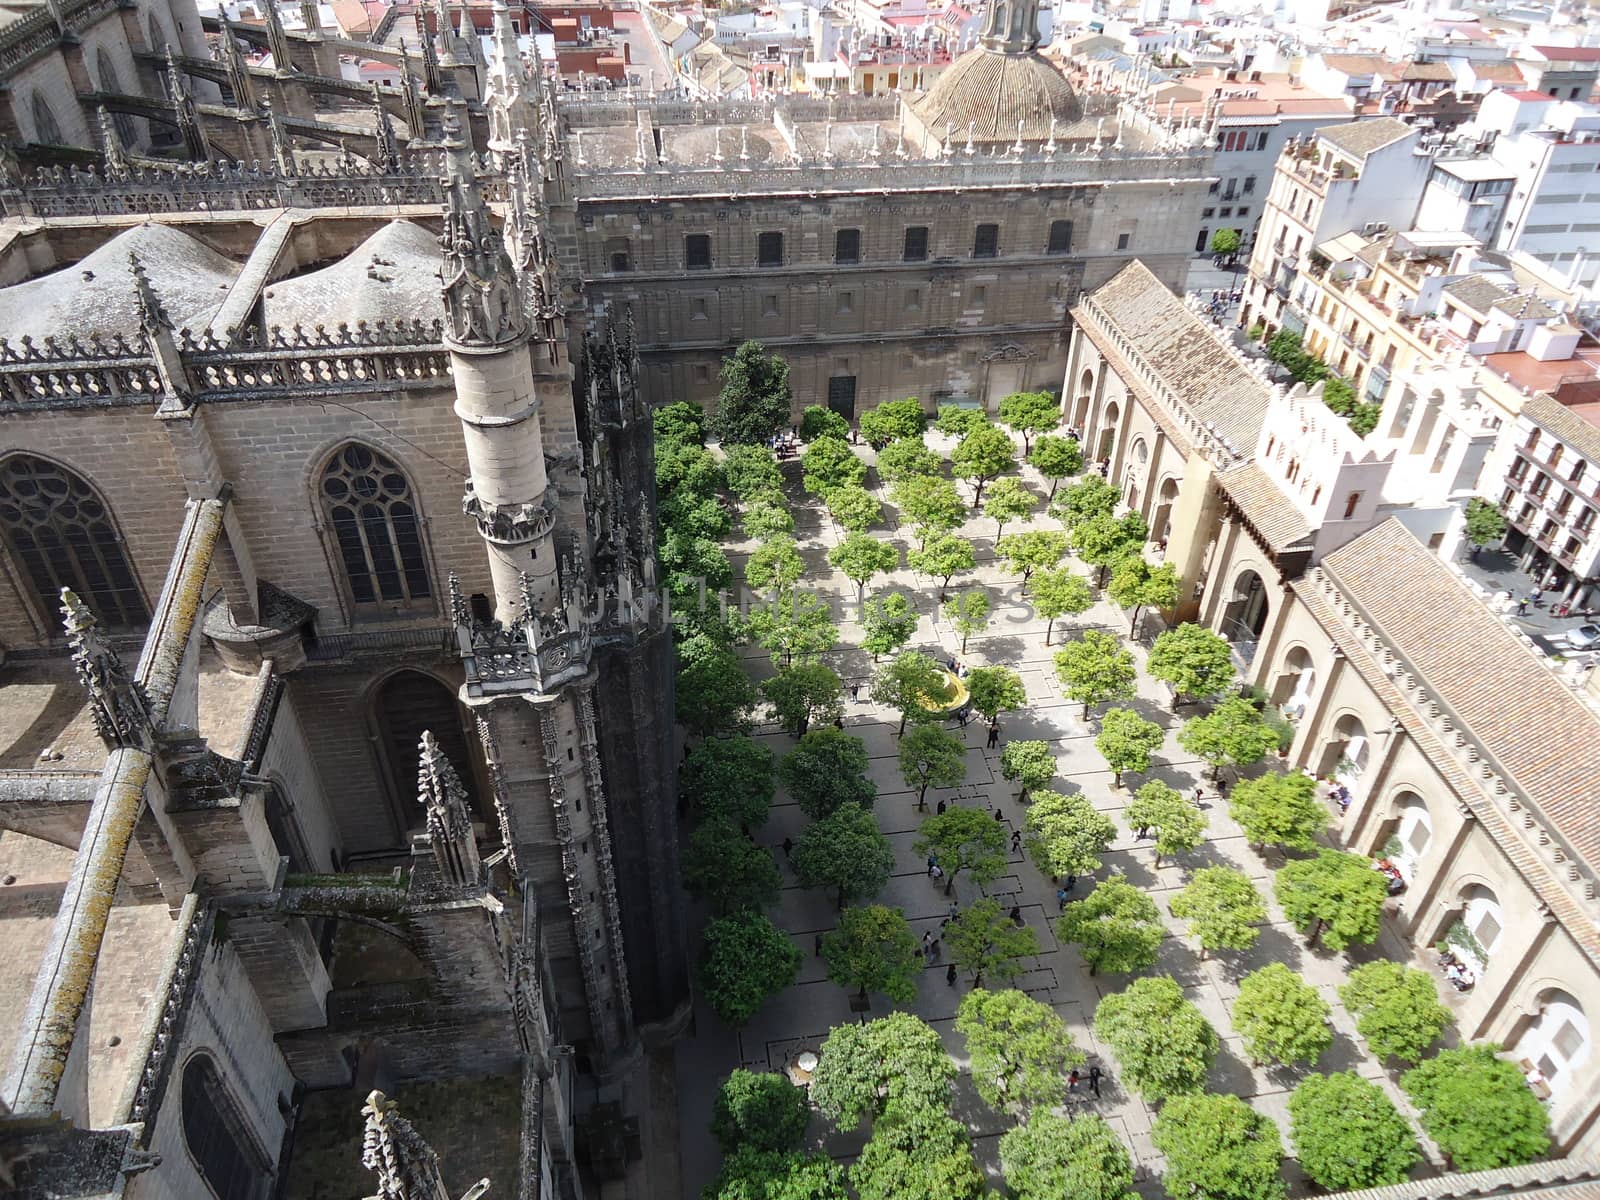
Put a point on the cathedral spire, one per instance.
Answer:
(406, 1166)
(480, 287)
(444, 800)
(511, 97)
(1011, 26)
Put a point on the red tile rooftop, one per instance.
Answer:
(1526, 371)
(1568, 53)
(1529, 95)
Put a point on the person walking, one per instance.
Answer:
(788, 847)
(931, 864)
(855, 691)
(935, 949)
(1061, 899)
(1094, 1081)
(1522, 606)
(1016, 841)
(938, 872)
(940, 808)
(816, 946)
(950, 975)
(1072, 1080)
(994, 734)
(927, 938)
(1016, 914)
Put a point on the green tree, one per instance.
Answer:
(751, 470)
(1348, 1135)
(695, 516)
(1279, 810)
(931, 503)
(1104, 542)
(729, 777)
(917, 1150)
(1233, 734)
(888, 622)
(1029, 413)
(714, 693)
(1090, 497)
(984, 454)
(930, 757)
(756, 399)
(1019, 1048)
(761, 1110)
(941, 556)
(1126, 741)
(1060, 1158)
(874, 950)
(1067, 834)
(1009, 500)
(1162, 1043)
(863, 1068)
(1335, 897)
(1057, 594)
(1180, 826)
(692, 566)
(905, 684)
(794, 625)
(907, 458)
(747, 959)
(1478, 1108)
(854, 508)
(964, 839)
(1485, 523)
(767, 517)
(968, 613)
(1031, 550)
(1116, 927)
(727, 870)
(1195, 662)
(1396, 1009)
(829, 463)
(862, 556)
(1281, 1018)
(984, 940)
(893, 421)
(1137, 585)
(749, 1174)
(1218, 1148)
(994, 690)
(804, 693)
(774, 565)
(827, 768)
(1056, 458)
(680, 422)
(956, 420)
(1225, 241)
(1223, 909)
(845, 851)
(1030, 764)
(816, 421)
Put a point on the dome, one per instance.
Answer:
(393, 276)
(990, 91)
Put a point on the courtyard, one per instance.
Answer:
(798, 1019)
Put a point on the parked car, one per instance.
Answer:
(1582, 637)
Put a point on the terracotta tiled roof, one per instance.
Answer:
(990, 92)
(1266, 508)
(1563, 423)
(1541, 736)
(1188, 355)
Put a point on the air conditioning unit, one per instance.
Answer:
(1373, 228)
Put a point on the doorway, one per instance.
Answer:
(842, 396)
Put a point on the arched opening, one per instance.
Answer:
(1080, 410)
(1557, 1043)
(111, 83)
(1413, 834)
(1484, 920)
(217, 1136)
(1166, 497)
(1245, 615)
(373, 514)
(406, 704)
(1108, 432)
(1293, 691)
(156, 34)
(1345, 759)
(61, 534)
(46, 130)
(1139, 456)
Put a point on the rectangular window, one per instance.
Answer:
(1208, 213)
(986, 241)
(913, 299)
(769, 249)
(847, 245)
(697, 251)
(702, 373)
(618, 257)
(846, 302)
(1060, 238)
(916, 243)
(1350, 502)
(1124, 240)
(1225, 211)
(1243, 210)
(980, 296)
(769, 306)
(697, 309)
(1249, 184)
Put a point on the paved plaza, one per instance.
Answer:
(801, 1017)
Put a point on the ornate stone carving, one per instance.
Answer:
(508, 524)
(481, 297)
(406, 1166)
(576, 904)
(501, 793)
(593, 778)
(444, 801)
(118, 703)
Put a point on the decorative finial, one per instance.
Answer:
(458, 604)
(969, 148)
(406, 1166)
(1017, 147)
(151, 315)
(1050, 144)
(118, 704)
(530, 601)
(111, 145)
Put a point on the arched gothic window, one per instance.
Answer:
(111, 81)
(369, 503)
(45, 129)
(61, 535)
(212, 1131)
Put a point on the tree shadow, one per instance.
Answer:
(1000, 649)
(1230, 1074)
(1274, 945)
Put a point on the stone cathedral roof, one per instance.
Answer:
(393, 276)
(990, 91)
(96, 296)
